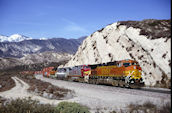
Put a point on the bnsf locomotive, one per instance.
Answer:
(124, 73)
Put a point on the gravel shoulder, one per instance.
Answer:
(108, 98)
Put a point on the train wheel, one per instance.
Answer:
(90, 81)
(121, 83)
(127, 85)
(115, 83)
(133, 86)
(81, 80)
(93, 81)
(97, 82)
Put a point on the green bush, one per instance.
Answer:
(71, 107)
(31, 106)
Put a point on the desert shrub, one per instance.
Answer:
(26, 106)
(71, 107)
(149, 107)
(145, 107)
(6, 82)
(153, 29)
(154, 23)
(166, 108)
(44, 89)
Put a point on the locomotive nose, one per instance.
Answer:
(137, 67)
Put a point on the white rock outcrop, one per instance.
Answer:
(117, 42)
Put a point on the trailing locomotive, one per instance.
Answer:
(76, 73)
(124, 73)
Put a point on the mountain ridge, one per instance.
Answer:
(22, 48)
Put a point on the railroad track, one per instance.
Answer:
(166, 91)
(148, 89)
(145, 91)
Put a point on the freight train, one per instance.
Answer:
(124, 73)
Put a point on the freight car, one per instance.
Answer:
(46, 71)
(52, 72)
(124, 73)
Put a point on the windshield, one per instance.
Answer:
(85, 67)
(126, 64)
(134, 63)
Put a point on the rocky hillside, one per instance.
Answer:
(147, 41)
(44, 59)
(24, 47)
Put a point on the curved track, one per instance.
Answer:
(149, 89)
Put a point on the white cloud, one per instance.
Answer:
(74, 27)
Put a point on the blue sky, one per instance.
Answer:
(74, 18)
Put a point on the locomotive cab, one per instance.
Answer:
(86, 71)
(132, 72)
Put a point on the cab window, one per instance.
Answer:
(54, 69)
(134, 63)
(119, 64)
(86, 67)
(126, 64)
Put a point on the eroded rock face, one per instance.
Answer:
(147, 41)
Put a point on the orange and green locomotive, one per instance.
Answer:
(124, 73)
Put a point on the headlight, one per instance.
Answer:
(132, 81)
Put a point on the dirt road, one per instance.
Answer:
(108, 97)
(20, 91)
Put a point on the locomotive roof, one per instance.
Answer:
(107, 64)
(130, 61)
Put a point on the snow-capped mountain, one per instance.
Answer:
(147, 41)
(13, 38)
(25, 47)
